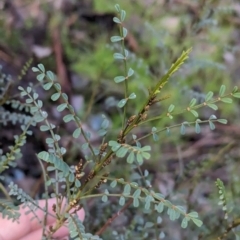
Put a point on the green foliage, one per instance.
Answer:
(137, 111)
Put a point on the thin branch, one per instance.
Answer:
(110, 220)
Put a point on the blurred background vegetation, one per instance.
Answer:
(72, 38)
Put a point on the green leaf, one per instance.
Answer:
(213, 106)
(47, 86)
(155, 137)
(135, 202)
(102, 132)
(85, 146)
(160, 207)
(57, 86)
(41, 67)
(121, 152)
(184, 223)
(222, 90)
(29, 100)
(68, 118)
(43, 155)
(123, 15)
(113, 183)
(146, 155)
(65, 96)
(121, 200)
(49, 141)
(127, 190)
(211, 125)
(171, 107)
(223, 121)
(130, 158)
(236, 95)
(122, 103)
(132, 96)
(172, 214)
(34, 69)
(39, 103)
(195, 114)
(125, 31)
(193, 214)
(168, 131)
(55, 96)
(61, 107)
(208, 96)
(139, 158)
(44, 128)
(117, 7)
(146, 148)
(137, 193)
(126, 52)
(71, 177)
(148, 225)
(104, 198)
(76, 133)
(213, 117)
(50, 75)
(23, 94)
(40, 76)
(193, 102)
(130, 72)
(116, 38)
(147, 205)
(29, 89)
(119, 79)
(118, 56)
(197, 128)
(77, 183)
(38, 118)
(116, 20)
(34, 109)
(226, 100)
(198, 222)
(183, 129)
(105, 124)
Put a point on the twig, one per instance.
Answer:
(110, 220)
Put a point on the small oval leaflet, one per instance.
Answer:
(123, 15)
(193, 102)
(47, 86)
(171, 108)
(195, 114)
(226, 100)
(184, 223)
(40, 76)
(208, 96)
(130, 72)
(41, 67)
(116, 38)
(222, 90)
(61, 107)
(124, 32)
(43, 155)
(116, 20)
(50, 75)
(213, 106)
(197, 128)
(118, 56)
(55, 96)
(34, 69)
(122, 103)
(119, 79)
(132, 96)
